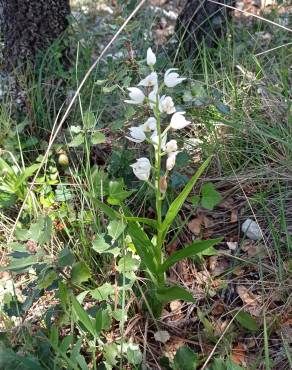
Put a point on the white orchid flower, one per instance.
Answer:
(170, 162)
(151, 57)
(150, 80)
(137, 134)
(172, 79)
(150, 124)
(136, 95)
(166, 105)
(142, 168)
(153, 95)
(155, 140)
(178, 121)
(171, 146)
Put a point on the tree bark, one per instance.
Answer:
(202, 21)
(30, 26)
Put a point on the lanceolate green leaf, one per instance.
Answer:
(144, 247)
(112, 214)
(179, 201)
(83, 316)
(143, 220)
(172, 293)
(191, 250)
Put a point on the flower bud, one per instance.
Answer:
(163, 184)
(151, 58)
(171, 146)
(63, 159)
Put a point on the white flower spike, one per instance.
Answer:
(150, 124)
(172, 79)
(166, 105)
(178, 121)
(142, 168)
(150, 80)
(170, 162)
(137, 134)
(136, 95)
(171, 146)
(151, 58)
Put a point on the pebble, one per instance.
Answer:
(251, 229)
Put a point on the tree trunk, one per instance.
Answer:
(202, 21)
(30, 26)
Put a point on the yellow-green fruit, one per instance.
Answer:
(63, 159)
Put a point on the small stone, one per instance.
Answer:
(251, 229)
(232, 245)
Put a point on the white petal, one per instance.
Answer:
(150, 80)
(170, 162)
(166, 105)
(151, 58)
(172, 79)
(142, 168)
(178, 121)
(171, 146)
(150, 124)
(136, 95)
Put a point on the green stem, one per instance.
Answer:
(159, 240)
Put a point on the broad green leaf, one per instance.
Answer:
(45, 281)
(102, 320)
(103, 292)
(210, 196)
(144, 247)
(116, 228)
(128, 263)
(20, 263)
(77, 140)
(62, 194)
(97, 137)
(191, 250)
(117, 193)
(41, 231)
(80, 272)
(109, 89)
(176, 205)
(134, 354)
(83, 316)
(89, 120)
(54, 335)
(110, 352)
(172, 293)
(65, 258)
(100, 245)
(247, 321)
(185, 359)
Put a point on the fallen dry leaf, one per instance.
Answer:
(175, 305)
(254, 249)
(195, 225)
(219, 327)
(162, 336)
(227, 203)
(218, 265)
(218, 309)
(238, 354)
(252, 301)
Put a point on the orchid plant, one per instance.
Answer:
(156, 131)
